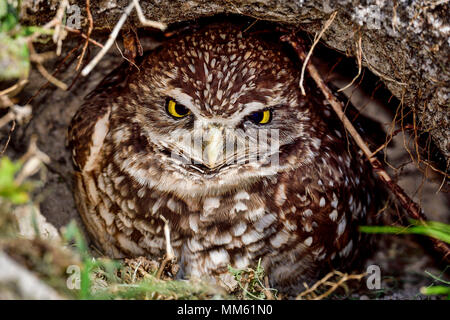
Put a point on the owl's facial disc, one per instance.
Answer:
(221, 108)
(212, 144)
(212, 148)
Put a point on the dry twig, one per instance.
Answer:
(359, 66)
(88, 34)
(56, 23)
(112, 37)
(16, 113)
(38, 60)
(84, 36)
(14, 88)
(13, 127)
(169, 256)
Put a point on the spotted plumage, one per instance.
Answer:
(298, 215)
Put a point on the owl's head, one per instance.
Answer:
(219, 109)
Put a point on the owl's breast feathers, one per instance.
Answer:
(299, 223)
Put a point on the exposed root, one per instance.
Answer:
(359, 66)
(88, 34)
(316, 40)
(130, 60)
(379, 73)
(148, 23)
(313, 292)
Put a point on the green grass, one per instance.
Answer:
(442, 289)
(14, 39)
(100, 278)
(433, 229)
(10, 190)
(251, 281)
(103, 278)
(110, 273)
(73, 233)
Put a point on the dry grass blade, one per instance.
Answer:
(169, 256)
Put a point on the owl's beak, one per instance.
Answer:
(214, 146)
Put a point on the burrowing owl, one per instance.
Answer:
(171, 141)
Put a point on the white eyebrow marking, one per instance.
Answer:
(182, 98)
(252, 107)
(238, 116)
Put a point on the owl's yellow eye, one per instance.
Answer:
(176, 110)
(261, 117)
